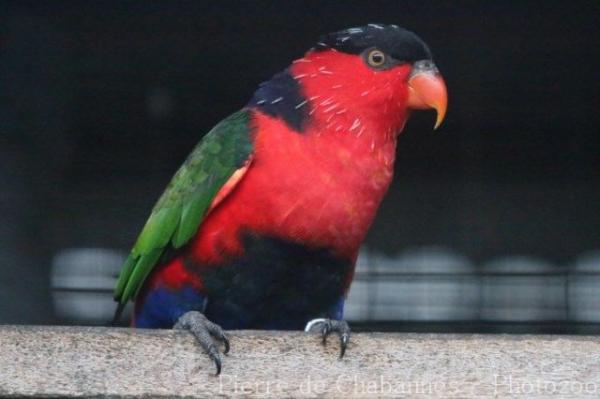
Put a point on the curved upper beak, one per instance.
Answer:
(427, 90)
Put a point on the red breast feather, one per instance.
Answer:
(321, 187)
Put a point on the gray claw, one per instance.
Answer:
(326, 331)
(204, 330)
(217, 360)
(344, 338)
(338, 326)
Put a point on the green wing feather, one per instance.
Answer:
(178, 213)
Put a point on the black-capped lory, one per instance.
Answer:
(260, 227)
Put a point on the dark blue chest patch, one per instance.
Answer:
(275, 284)
(281, 97)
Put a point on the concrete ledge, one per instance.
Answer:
(101, 362)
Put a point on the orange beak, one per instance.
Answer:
(427, 90)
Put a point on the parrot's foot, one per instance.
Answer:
(204, 330)
(327, 326)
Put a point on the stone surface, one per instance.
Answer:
(100, 362)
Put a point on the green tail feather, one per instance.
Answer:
(141, 270)
(128, 266)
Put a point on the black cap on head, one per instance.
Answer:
(401, 44)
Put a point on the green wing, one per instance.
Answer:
(177, 214)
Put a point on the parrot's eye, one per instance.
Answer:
(376, 58)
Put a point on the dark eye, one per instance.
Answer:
(376, 58)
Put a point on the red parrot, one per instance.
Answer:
(261, 226)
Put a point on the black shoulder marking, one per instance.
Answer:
(401, 44)
(281, 97)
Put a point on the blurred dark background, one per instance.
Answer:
(492, 223)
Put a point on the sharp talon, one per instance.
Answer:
(217, 361)
(325, 332)
(340, 327)
(206, 334)
(343, 344)
(226, 343)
